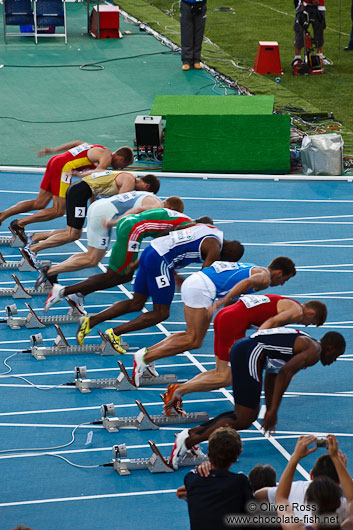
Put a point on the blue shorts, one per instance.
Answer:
(247, 373)
(154, 279)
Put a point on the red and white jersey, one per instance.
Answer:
(321, 6)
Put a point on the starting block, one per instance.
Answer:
(20, 292)
(145, 422)
(32, 320)
(62, 347)
(12, 241)
(155, 464)
(122, 382)
(23, 265)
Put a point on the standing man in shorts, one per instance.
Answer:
(77, 197)
(101, 217)
(285, 351)
(309, 11)
(230, 325)
(198, 292)
(57, 179)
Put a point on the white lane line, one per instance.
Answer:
(249, 199)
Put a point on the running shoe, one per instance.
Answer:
(31, 257)
(179, 448)
(83, 330)
(77, 300)
(139, 367)
(29, 239)
(170, 401)
(115, 340)
(56, 294)
(18, 231)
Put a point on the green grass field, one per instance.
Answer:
(231, 40)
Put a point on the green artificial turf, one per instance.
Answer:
(231, 41)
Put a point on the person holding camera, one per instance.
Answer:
(323, 494)
(309, 11)
(192, 28)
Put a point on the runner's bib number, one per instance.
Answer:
(66, 177)
(99, 174)
(162, 281)
(124, 197)
(181, 236)
(79, 149)
(221, 266)
(133, 246)
(80, 211)
(253, 300)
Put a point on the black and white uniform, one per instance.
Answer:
(269, 350)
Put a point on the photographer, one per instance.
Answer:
(309, 11)
(323, 494)
(192, 27)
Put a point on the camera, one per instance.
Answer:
(321, 442)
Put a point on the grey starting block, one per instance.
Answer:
(122, 382)
(12, 241)
(62, 347)
(155, 464)
(20, 292)
(32, 320)
(23, 265)
(145, 422)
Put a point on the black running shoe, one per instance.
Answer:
(18, 231)
(44, 276)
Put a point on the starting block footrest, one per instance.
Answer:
(20, 292)
(33, 321)
(155, 464)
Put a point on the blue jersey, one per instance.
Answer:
(225, 274)
(272, 348)
(182, 247)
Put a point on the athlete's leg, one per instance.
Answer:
(119, 308)
(41, 236)
(56, 210)
(220, 377)
(58, 239)
(197, 323)
(91, 258)
(159, 313)
(41, 201)
(105, 280)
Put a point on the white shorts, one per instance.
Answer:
(198, 291)
(98, 236)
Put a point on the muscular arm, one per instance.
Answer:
(288, 312)
(306, 353)
(258, 281)
(100, 156)
(210, 250)
(60, 148)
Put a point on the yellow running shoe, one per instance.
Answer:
(83, 330)
(115, 340)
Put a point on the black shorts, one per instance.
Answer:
(318, 24)
(76, 204)
(247, 376)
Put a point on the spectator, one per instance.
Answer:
(309, 11)
(323, 492)
(262, 477)
(349, 46)
(323, 467)
(218, 492)
(192, 27)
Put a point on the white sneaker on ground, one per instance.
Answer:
(139, 367)
(179, 448)
(78, 301)
(55, 296)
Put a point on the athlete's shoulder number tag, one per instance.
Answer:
(252, 300)
(124, 197)
(133, 246)
(221, 266)
(79, 149)
(162, 281)
(181, 236)
(104, 242)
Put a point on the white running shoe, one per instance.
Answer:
(55, 295)
(179, 448)
(78, 301)
(139, 367)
